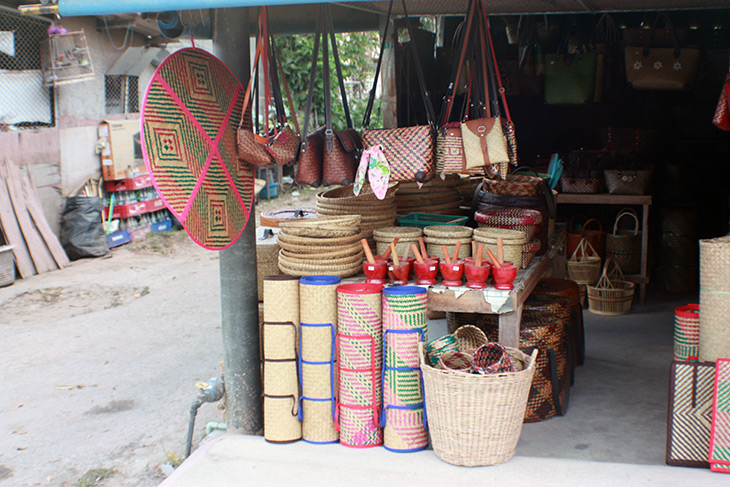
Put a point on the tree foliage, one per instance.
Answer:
(357, 52)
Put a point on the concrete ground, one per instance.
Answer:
(614, 432)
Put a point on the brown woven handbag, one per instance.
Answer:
(309, 164)
(408, 150)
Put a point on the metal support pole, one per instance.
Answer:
(239, 297)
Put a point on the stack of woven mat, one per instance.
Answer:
(436, 196)
(319, 246)
(375, 213)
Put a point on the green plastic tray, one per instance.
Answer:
(422, 220)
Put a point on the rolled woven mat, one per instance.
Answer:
(273, 218)
(406, 236)
(317, 367)
(359, 362)
(687, 332)
(714, 299)
(267, 262)
(404, 326)
(280, 382)
(453, 232)
(283, 306)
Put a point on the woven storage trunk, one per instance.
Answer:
(280, 382)
(405, 327)
(624, 246)
(612, 294)
(522, 219)
(571, 291)
(317, 367)
(406, 236)
(546, 322)
(7, 265)
(529, 251)
(512, 242)
(267, 262)
(375, 213)
(714, 293)
(359, 363)
(687, 332)
(476, 419)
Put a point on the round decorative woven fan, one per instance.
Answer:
(189, 119)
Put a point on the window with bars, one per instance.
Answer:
(25, 100)
(121, 93)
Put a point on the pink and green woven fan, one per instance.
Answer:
(189, 119)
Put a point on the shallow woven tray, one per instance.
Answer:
(310, 270)
(345, 194)
(448, 231)
(342, 226)
(322, 241)
(323, 250)
(406, 233)
(274, 218)
(316, 259)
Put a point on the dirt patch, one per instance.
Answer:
(67, 301)
(5, 472)
(113, 407)
(165, 243)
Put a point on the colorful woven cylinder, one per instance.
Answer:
(714, 299)
(279, 356)
(404, 326)
(720, 433)
(317, 367)
(359, 360)
(687, 332)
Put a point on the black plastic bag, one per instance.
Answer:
(82, 232)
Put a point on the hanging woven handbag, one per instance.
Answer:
(409, 150)
(626, 181)
(285, 144)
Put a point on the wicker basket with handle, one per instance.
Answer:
(612, 294)
(584, 265)
(624, 246)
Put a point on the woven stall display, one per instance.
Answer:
(715, 299)
(406, 236)
(317, 367)
(359, 360)
(279, 357)
(404, 326)
(189, 146)
(689, 415)
(571, 291)
(687, 332)
(477, 419)
(720, 433)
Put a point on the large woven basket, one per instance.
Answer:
(529, 250)
(612, 294)
(476, 419)
(624, 246)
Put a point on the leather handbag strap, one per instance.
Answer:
(312, 74)
(338, 67)
(500, 86)
(329, 137)
(292, 108)
(371, 98)
(456, 71)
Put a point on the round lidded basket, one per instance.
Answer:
(522, 219)
(406, 236)
(433, 246)
(512, 242)
(453, 232)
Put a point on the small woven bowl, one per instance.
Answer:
(469, 338)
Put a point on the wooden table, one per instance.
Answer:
(441, 298)
(642, 279)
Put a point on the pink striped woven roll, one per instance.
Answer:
(359, 351)
(404, 326)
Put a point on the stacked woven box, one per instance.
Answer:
(437, 196)
(321, 246)
(521, 219)
(436, 236)
(375, 213)
(406, 236)
(513, 242)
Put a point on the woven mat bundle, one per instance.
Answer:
(374, 213)
(437, 196)
(321, 246)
